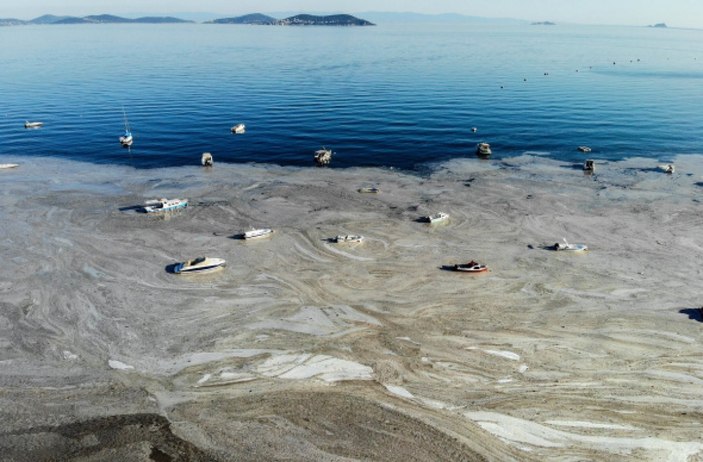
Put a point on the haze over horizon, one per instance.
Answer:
(678, 13)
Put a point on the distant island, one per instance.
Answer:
(298, 20)
(257, 19)
(544, 23)
(660, 25)
(93, 19)
(252, 19)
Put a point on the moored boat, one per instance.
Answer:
(348, 238)
(483, 149)
(323, 156)
(164, 205)
(126, 139)
(257, 233)
(206, 159)
(471, 267)
(369, 190)
(571, 247)
(199, 265)
(6, 166)
(584, 149)
(28, 124)
(239, 129)
(435, 217)
(666, 168)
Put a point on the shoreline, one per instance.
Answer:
(299, 344)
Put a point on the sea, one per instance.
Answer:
(404, 96)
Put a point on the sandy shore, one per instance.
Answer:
(302, 349)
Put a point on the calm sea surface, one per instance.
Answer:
(391, 95)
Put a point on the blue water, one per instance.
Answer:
(391, 95)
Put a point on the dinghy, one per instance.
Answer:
(571, 247)
(199, 265)
(471, 267)
(257, 233)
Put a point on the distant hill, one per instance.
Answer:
(297, 20)
(331, 20)
(106, 18)
(49, 19)
(256, 19)
(12, 22)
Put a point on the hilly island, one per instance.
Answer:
(251, 19)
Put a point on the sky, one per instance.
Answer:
(675, 13)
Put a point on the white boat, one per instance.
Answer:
(589, 166)
(6, 166)
(435, 217)
(164, 205)
(369, 190)
(206, 159)
(257, 233)
(666, 168)
(126, 139)
(199, 265)
(471, 267)
(571, 247)
(239, 129)
(348, 238)
(483, 149)
(584, 149)
(323, 156)
(28, 124)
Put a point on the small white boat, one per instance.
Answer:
(471, 267)
(483, 149)
(571, 247)
(206, 159)
(164, 205)
(239, 129)
(28, 124)
(369, 190)
(348, 238)
(199, 265)
(323, 156)
(6, 166)
(127, 139)
(584, 149)
(257, 233)
(435, 217)
(666, 168)
(589, 166)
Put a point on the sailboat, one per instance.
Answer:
(126, 139)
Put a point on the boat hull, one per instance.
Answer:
(257, 234)
(166, 207)
(461, 269)
(209, 265)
